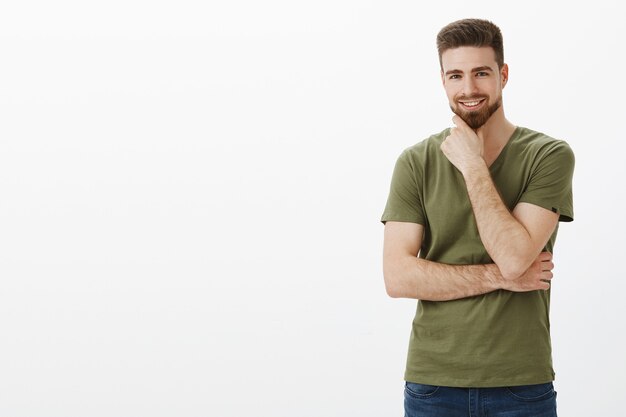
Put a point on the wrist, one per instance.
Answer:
(493, 277)
(474, 167)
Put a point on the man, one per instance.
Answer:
(470, 224)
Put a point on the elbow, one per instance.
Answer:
(512, 270)
(392, 285)
(515, 260)
(394, 292)
(401, 277)
(392, 288)
(510, 275)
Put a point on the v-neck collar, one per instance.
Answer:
(496, 162)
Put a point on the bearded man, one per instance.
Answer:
(470, 225)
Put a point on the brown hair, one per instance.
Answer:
(471, 32)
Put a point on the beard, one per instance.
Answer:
(476, 119)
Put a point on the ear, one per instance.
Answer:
(443, 79)
(504, 74)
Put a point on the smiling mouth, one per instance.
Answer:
(471, 104)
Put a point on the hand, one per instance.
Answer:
(536, 277)
(463, 147)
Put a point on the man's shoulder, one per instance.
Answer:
(426, 146)
(540, 142)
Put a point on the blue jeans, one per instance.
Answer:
(523, 401)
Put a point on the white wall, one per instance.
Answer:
(190, 197)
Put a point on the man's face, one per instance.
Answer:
(473, 83)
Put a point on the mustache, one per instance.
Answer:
(474, 97)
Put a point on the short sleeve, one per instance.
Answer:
(404, 203)
(550, 184)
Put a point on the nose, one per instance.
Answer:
(469, 86)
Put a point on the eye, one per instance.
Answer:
(455, 77)
(482, 74)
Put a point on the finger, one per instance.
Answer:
(479, 133)
(453, 132)
(545, 256)
(547, 266)
(460, 123)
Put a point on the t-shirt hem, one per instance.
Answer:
(391, 218)
(564, 215)
(472, 383)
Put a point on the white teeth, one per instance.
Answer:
(471, 103)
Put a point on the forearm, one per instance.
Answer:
(513, 240)
(412, 277)
(505, 239)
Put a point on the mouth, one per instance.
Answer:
(472, 104)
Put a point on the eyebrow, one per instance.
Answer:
(477, 69)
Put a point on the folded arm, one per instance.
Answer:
(512, 239)
(408, 276)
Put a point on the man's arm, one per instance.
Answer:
(408, 276)
(513, 240)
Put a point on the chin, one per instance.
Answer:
(474, 121)
(478, 118)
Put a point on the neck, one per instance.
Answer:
(497, 131)
(495, 135)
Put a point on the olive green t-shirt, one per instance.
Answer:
(501, 338)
